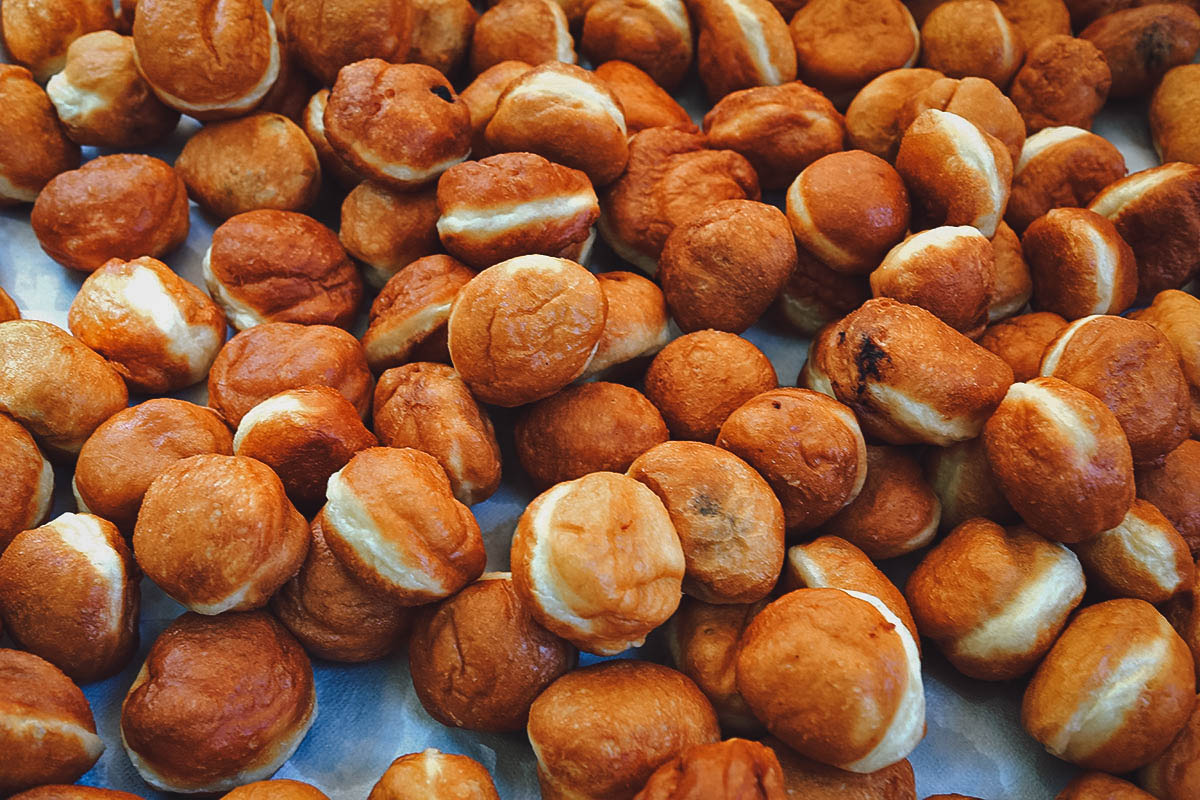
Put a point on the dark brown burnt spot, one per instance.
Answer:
(1153, 48)
(869, 359)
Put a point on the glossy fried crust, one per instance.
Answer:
(603, 730)
(408, 318)
(1177, 316)
(280, 266)
(482, 95)
(804, 779)
(1064, 81)
(1141, 44)
(734, 768)
(69, 593)
(136, 445)
(1080, 265)
(648, 35)
(334, 616)
(843, 44)
(26, 494)
(433, 774)
(873, 119)
(187, 720)
(730, 57)
(33, 689)
(388, 230)
(1067, 173)
(428, 407)
(703, 639)
(1176, 101)
(35, 148)
(330, 34)
(636, 325)
(971, 37)
(975, 99)
(1021, 340)
(37, 34)
(270, 358)
(479, 660)
(1173, 488)
(1174, 774)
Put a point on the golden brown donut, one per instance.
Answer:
(734, 768)
(393, 522)
(829, 562)
(101, 98)
(261, 161)
(598, 562)
(1134, 370)
(1144, 557)
(652, 35)
(896, 512)
(816, 295)
(61, 749)
(1175, 101)
(780, 129)
(304, 435)
(185, 722)
(37, 35)
(1100, 786)
(280, 266)
(602, 731)
(841, 45)
(1173, 775)
(160, 332)
(532, 31)
(313, 123)
(703, 640)
(1172, 487)
(994, 600)
(805, 779)
(908, 376)
(1141, 44)
(593, 427)
(74, 792)
(1080, 265)
(35, 147)
(209, 63)
(1177, 316)
(864, 715)
(741, 44)
(69, 594)
(1059, 167)
(28, 491)
(645, 103)
(1036, 20)
(119, 206)
(956, 173)
(479, 660)
(277, 789)
(120, 459)
(1157, 212)
(514, 204)
(723, 267)
(568, 115)
(948, 271)
(428, 407)
(408, 318)
(333, 615)
(636, 326)
(432, 773)
(971, 38)
(218, 534)
(267, 359)
(441, 33)
(327, 35)
(1013, 285)
(807, 446)
(873, 116)
(976, 100)
(388, 230)
(400, 125)
(56, 386)
(482, 95)
(848, 209)
(729, 522)
(524, 328)
(671, 175)
(1061, 459)
(1064, 81)
(1114, 690)
(1021, 340)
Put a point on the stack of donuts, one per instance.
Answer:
(1000, 400)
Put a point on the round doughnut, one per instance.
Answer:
(1173, 775)
(1060, 167)
(313, 123)
(964, 484)
(971, 38)
(532, 31)
(636, 325)
(1177, 316)
(1144, 557)
(482, 95)
(1080, 265)
(816, 296)
(327, 35)
(35, 147)
(741, 44)
(976, 100)
(652, 35)
(388, 230)
(645, 103)
(26, 495)
(1064, 81)
(730, 769)
(873, 116)
(703, 640)
(1021, 340)
(812, 780)
(441, 33)
(1141, 44)
(1175, 100)
(432, 773)
(277, 789)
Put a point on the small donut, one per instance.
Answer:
(971, 38)
(532, 31)
(965, 486)
(976, 100)
(703, 640)
(124, 455)
(185, 723)
(101, 98)
(730, 769)
(652, 35)
(209, 63)
(304, 435)
(28, 491)
(327, 35)
(741, 44)
(432, 773)
(1064, 81)
(1141, 44)
(1080, 265)
(1144, 557)
(35, 147)
(1114, 690)
(479, 660)
(1177, 316)
(388, 230)
(482, 95)
(400, 125)
(441, 33)
(280, 266)
(158, 331)
(598, 562)
(261, 161)
(728, 520)
(645, 103)
(1175, 100)
(525, 328)
(38, 35)
(428, 407)
(808, 447)
(1060, 167)
(1021, 340)
(636, 326)
(873, 116)
(1172, 488)
(119, 206)
(1061, 459)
